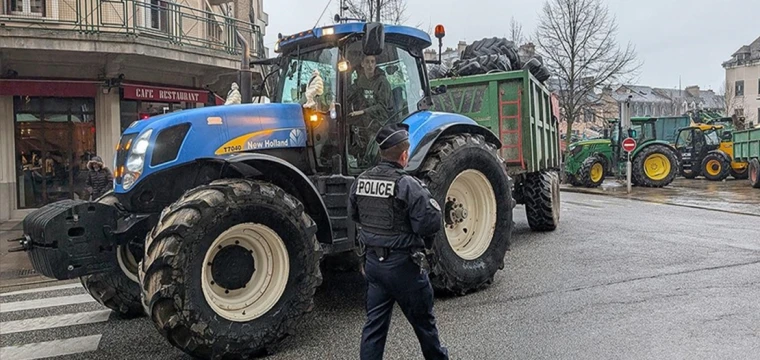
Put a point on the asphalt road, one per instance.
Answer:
(620, 279)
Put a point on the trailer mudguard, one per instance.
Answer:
(425, 127)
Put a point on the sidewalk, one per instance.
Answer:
(15, 268)
(732, 196)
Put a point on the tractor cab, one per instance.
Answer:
(351, 80)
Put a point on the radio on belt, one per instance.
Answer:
(375, 188)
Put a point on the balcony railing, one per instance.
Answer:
(164, 20)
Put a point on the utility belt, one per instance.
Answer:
(417, 254)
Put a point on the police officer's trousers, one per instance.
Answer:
(398, 279)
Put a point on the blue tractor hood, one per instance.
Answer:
(218, 131)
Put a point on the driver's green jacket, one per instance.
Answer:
(373, 96)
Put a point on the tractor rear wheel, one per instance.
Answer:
(655, 166)
(118, 289)
(230, 269)
(542, 203)
(715, 167)
(468, 179)
(591, 173)
(739, 174)
(754, 173)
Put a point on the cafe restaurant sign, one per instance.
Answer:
(154, 93)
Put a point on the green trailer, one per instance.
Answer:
(523, 113)
(747, 149)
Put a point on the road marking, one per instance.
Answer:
(51, 322)
(47, 349)
(43, 289)
(45, 303)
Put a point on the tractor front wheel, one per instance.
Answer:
(715, 167)
(754, 173)
(230, 269)
(591, 173)
(542, 203)
(468, 179)
(654, 166)
(117, 289)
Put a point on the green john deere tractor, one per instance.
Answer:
(654, 161)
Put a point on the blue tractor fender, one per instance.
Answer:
(288, 177)
(426, 127)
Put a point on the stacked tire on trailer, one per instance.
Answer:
(490, 55)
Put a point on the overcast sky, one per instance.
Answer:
(686, 38)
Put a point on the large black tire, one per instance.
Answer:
(639, 173)
(118, 289)
(538, 70)
(739, 175)
(542, 203)
(438, 71)
(754, 173)
(174, 266)
(493, 46)
(715, 167)
(482, 65)
(450, 157)
(584, 173)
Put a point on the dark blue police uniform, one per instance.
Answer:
(395, 211)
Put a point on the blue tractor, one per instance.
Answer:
(221, 215)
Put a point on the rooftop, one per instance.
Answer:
(746, 55)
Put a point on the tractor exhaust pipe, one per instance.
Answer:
(245, 74)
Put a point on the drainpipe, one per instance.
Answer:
(245, 75)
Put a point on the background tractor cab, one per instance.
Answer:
(707, 149)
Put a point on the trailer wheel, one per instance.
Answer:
(655, 166)
(591, 173)
(118, 289)
(230, 269)
(715, 167)
(542, 204)
(468, 179)
(754, 173)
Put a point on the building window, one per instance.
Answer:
(157, 14)
(739, 88)
(213, 27)
(55, 138)
(26, 7)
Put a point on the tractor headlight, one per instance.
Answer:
(136, 160)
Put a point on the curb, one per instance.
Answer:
(629, 197)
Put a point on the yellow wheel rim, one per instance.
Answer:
(597, 171)
(657, 166)
(713, 167)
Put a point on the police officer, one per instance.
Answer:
(396, 212)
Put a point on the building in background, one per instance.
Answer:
(743, 82)
(75, 73)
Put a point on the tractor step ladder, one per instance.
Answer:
(504, 119)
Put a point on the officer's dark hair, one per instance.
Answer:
(394, 153)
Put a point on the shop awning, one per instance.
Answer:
(41, 87)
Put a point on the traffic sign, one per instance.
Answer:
(629, 144)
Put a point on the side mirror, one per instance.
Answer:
(374, 39)
(438, 90)
(633, 133)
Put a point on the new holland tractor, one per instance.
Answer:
(221, 215)
(654, 161)
(708, 150)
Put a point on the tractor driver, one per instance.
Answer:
(370, 106)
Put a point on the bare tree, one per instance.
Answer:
(389, 11)
(515, 32)
(576, 39)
